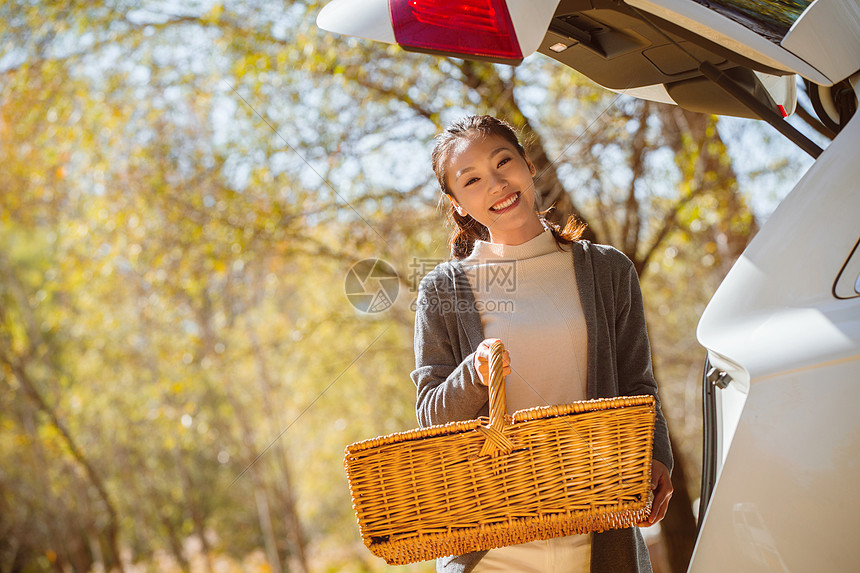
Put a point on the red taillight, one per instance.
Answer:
(480, 28)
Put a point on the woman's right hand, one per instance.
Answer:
(482, 361)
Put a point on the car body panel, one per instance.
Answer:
(848, 283)
(785, 496)
(828, 36)
(630, 51)
(711, 25)
(530, 19)
(368, 19)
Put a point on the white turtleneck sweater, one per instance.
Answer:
(527, 297)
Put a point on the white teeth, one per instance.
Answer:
(507, 203)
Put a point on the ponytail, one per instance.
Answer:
(465, 230)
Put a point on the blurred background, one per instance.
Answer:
(184, 189)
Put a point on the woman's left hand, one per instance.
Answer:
(661, 484)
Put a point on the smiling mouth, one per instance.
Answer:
(505, 204)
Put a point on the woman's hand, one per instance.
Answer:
(661, 484)
(482, 361)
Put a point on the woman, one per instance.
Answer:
(569, 313)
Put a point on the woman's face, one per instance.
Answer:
(493, 183)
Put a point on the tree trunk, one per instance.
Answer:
(111, 529)
(292, 522)
(265, 518)
(632, 225)
(175, 543)
(679, 525)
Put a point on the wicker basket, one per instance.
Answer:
(482, 484)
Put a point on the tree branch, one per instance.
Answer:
(632, 221)
(670, 223)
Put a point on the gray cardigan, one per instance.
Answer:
(448, 330)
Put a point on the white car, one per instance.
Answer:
(782, 333)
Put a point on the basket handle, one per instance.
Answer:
(496, 442)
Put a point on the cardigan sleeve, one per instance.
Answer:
(633, 353)
(448, 387)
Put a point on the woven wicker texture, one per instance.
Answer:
(481, 484)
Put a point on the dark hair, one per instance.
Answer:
(465, 229)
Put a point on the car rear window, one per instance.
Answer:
(771, 19)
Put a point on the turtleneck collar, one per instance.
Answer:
(542, 244)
